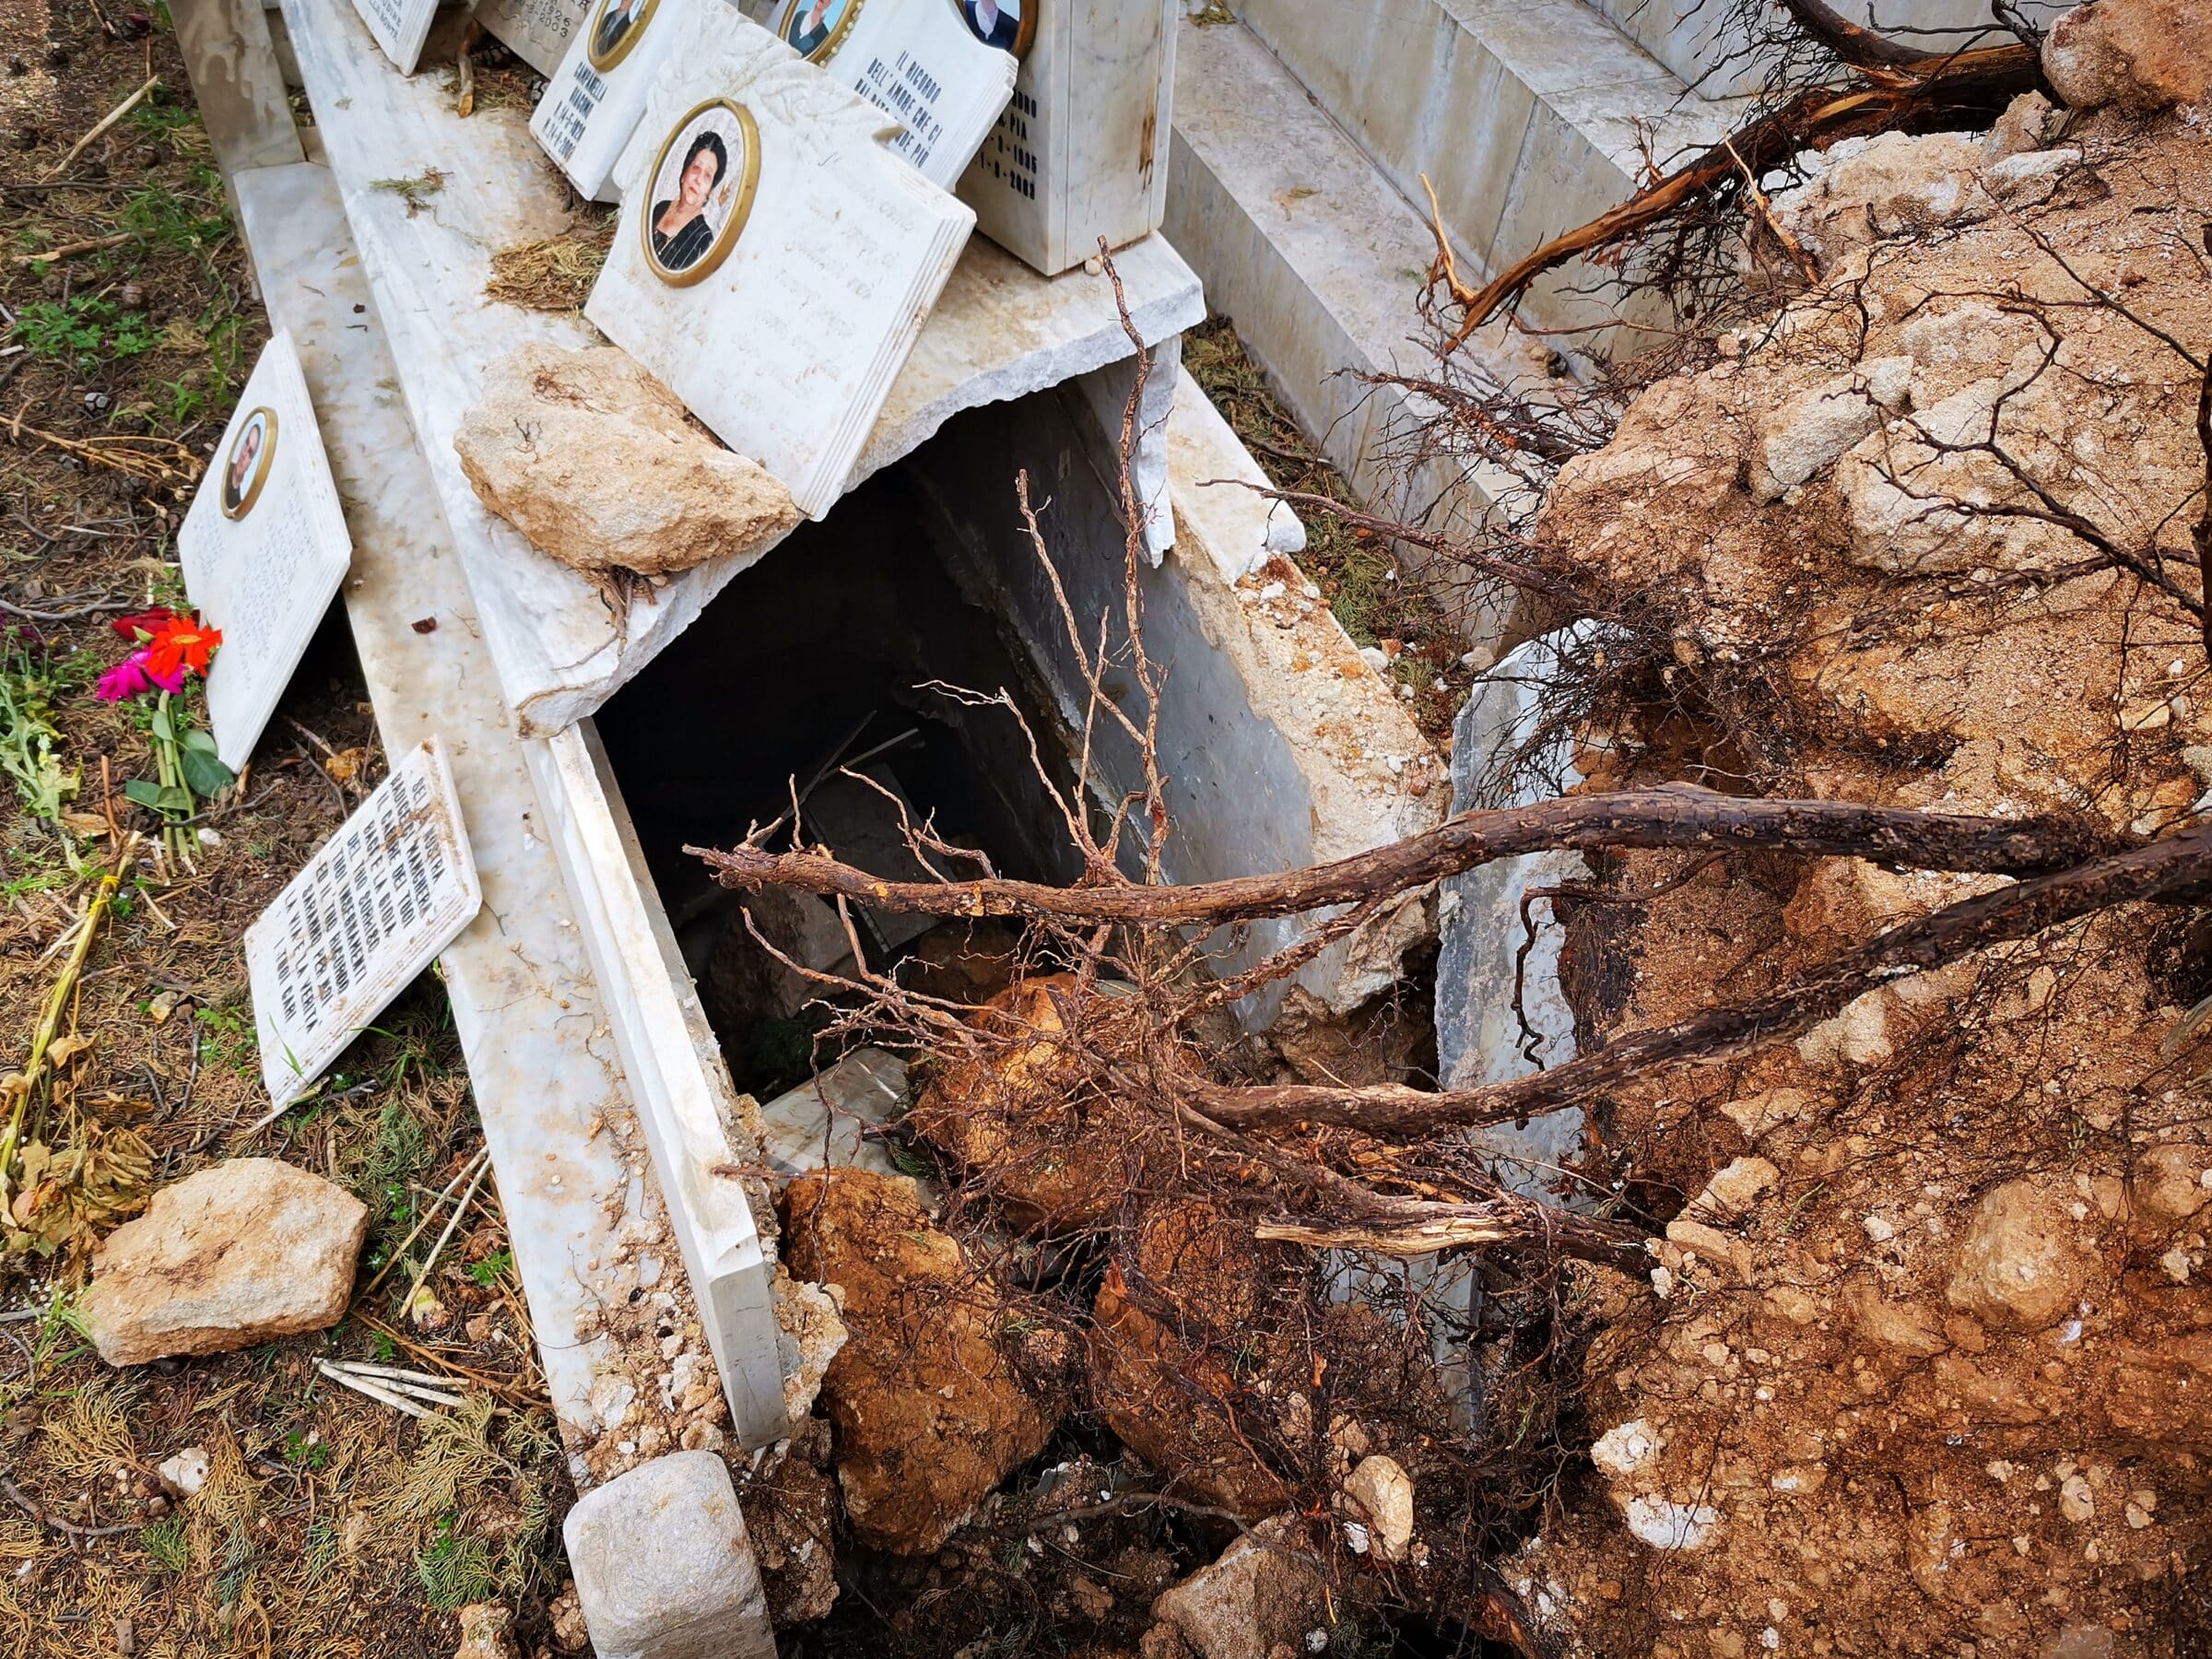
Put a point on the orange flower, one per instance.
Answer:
(181, 643)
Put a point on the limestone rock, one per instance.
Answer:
(790, 1517)
(2024, 1263)
(1172, 1405)
(2029, 122)
(1018, 1115)
(814, 1328)
(239, 1253)
(186, 1472)
(487, 1631)
(2169, 1182)
(1265, 1592)
(1903, 1326)
(1810, 430)
(1382, 1494)
(595, 462)
(930, 1413)
(1732, 1192)
(663, 1566)
(570, 1635)
(2141, 56)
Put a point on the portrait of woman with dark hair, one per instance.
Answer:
(700, 189)
(680, 229)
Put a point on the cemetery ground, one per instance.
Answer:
(329, 1525)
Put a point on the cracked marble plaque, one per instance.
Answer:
(599, 89)
(537, 31)
(774, 262)
(371, 911)
(931, 65)
(264, 546)
(400, 27)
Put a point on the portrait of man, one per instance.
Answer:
(701, 189)
(615, 31)
(993, 22)
(812, 26)
(247, 465)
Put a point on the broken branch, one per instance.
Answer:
(2164, 870)
(1672, 816)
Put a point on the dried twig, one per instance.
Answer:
(105, 121)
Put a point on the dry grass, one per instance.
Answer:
(555, 273)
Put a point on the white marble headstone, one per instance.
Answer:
(539, 31)
(1081, 152)
(400, 27)
(918, 61)
(599, 90)
(780, 304)
(264, 547)
(368, 912)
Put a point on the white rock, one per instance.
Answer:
(1384, 1492)
(1811, 429)
(1667, 1525)
(185, 1472)
(663, 1566)
(1625, 1447)
(2076, 1501)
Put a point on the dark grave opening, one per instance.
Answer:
(831, 653)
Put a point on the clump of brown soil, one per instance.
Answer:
(1924, 1361)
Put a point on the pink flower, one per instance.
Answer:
(134, 677)
(125, 680)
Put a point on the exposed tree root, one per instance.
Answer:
(1891, 88)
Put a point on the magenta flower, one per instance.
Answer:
(125, 680)
(133, 678)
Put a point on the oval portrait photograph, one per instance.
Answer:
(246, 466)
(816, 29)
(1007, 24)
(699, 190)
(616, 27)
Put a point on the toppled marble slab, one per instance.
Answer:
(826, 1122)
(481, 185)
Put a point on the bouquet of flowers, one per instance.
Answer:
(171, 647)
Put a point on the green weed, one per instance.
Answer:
(486, 1272)
(227, 1037)
(86, 326)
(30, 741)
(455, 1569)
(164, 1540)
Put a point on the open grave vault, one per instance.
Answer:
(610, 1114)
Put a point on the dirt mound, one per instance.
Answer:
(1928, 1375)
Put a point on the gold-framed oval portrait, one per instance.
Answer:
(614, 28)
(816, 29)
(246, 462)
(699, 192)
(1009, 25)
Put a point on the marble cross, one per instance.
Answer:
(264, 546)
(774, 261)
